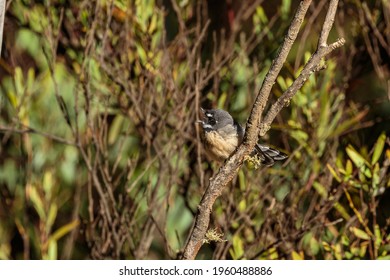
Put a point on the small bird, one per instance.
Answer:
(222, 134)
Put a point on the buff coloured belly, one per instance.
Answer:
(220, 147)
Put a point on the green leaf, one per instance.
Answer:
(52, 250)
(360, 233)
(378, 237)
(30, 79)
(280, 80)
(68, 165)
(285, 8)
(153, 24)
(334, 173)
(338, 251)
(299, 135)
(321, 190)
(357, 158)
(222, 100)
(348, 168)
(261, 14)
(314, 246)
(270, 254)
(37, 202)
(242, 206)
(342, 211)
(367, 172)
(375, 177)
(59, 233)
(48, 184)
(30, 41)
(355, 251)
(237, 251)
(241, 179)
(51, 217)
(363, 250)
(378, 148)
(345, 240)
(19, 82)
(141, 54)
(350, 122)
(115, 129)
(281, 192)
(9, 174)
(296, 256)
(359, 161)
(326, 246)
(348, 255)
(387, 257)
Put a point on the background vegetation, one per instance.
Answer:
(100, 153)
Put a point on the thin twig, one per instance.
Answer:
(34, 131)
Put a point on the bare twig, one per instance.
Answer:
(306, 32)
(328, 23)
(34, 131)
(310, 67)
(270, 78)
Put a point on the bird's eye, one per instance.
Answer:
(211, 120)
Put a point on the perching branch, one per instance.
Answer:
(257, 127)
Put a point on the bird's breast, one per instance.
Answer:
(220, 145)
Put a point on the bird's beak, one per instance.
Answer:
(202, 114)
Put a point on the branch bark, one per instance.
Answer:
(254, 125)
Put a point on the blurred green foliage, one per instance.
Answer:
(100, 156)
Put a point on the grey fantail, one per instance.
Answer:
(222, 134)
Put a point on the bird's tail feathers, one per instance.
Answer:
(268, 155)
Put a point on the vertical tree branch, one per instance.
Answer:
(328, 23)
(262, 97)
